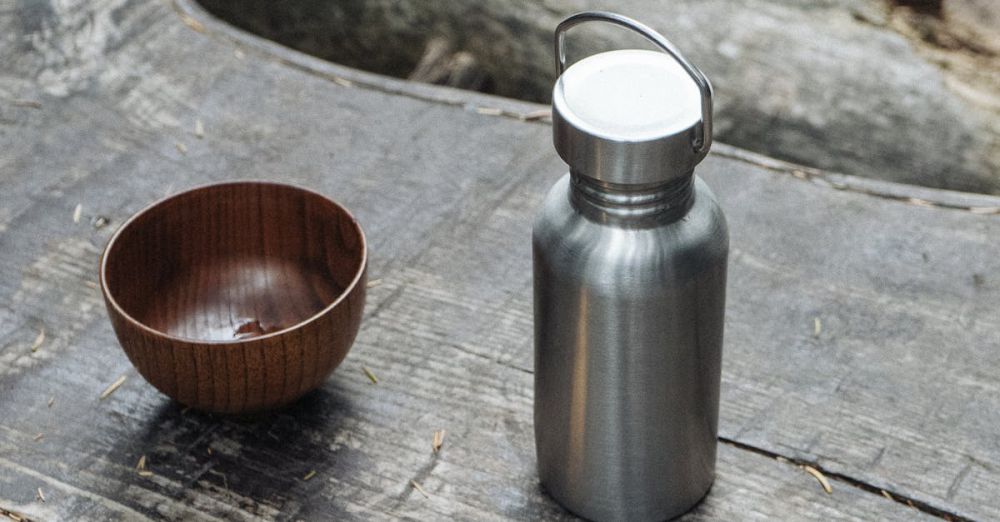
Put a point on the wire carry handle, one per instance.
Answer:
(703, 132)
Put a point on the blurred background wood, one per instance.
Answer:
(898, 90)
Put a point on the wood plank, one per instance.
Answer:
(895, 392)
(748, 487)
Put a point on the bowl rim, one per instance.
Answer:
(248, 340)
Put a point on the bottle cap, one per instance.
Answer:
(630, 116)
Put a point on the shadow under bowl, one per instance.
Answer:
(237, 297)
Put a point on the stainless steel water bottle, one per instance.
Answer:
(630, 253)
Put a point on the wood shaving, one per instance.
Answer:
(920, 202)
(819, 477)
(342, 82)
(182, 148)
(371, 376)
(541, 114)
(39, 437)
(489, 111)
(41, 496)
(52, 400)
(817, 327)
(111, 389)
(192, 23)
(27, 103)
(438, 440)
(199, 129)
(985, 210)
(38, 340)
(145, 473)
(209, 451)
(100, 222)
(77, 212)
(311, 474)
(91, 284)
(887, 495)
(418, 488)
(800, 174)
(373, 283)
(141, 465)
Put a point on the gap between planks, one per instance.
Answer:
(900, 498)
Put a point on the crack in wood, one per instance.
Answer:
(955, 484)
(896, 496)
(14, 515)
(929, 7)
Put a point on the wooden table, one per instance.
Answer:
(862, 333)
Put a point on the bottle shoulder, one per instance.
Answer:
(577, 249)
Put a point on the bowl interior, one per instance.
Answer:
(233, 261)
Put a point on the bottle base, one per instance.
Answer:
(596, 513)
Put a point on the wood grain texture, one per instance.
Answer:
(896, 391)
(236, 297)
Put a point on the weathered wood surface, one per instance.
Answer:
(858, 86)
(896, 389)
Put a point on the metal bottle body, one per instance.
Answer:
(629, 296)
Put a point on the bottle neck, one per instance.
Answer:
(662, 202)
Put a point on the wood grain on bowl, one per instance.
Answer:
(239, 296)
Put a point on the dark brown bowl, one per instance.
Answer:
(237, 297)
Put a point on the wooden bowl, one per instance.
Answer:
(237, 297)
